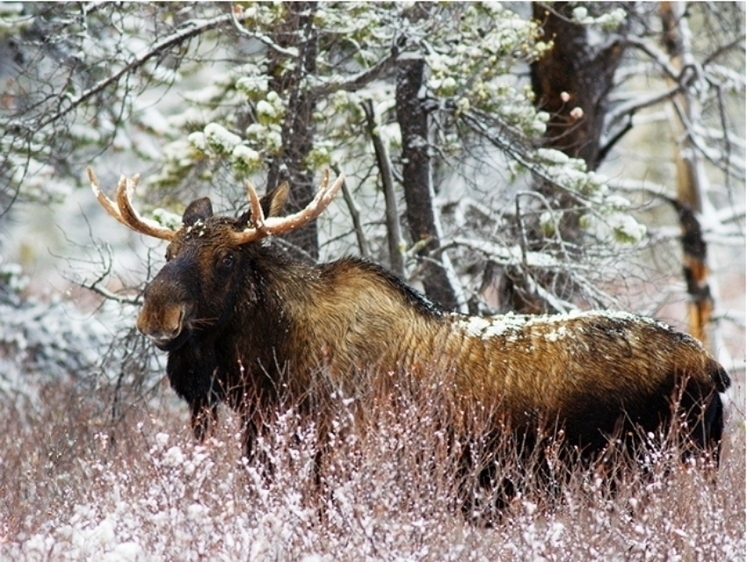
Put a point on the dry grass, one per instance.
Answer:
(389, 492)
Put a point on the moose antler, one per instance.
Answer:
(265, 226)
(123, 211)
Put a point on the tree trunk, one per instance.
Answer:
(584, 73)
(394, 235)
(571, 83)
(287, 79)
(417, 181)
(685, 109)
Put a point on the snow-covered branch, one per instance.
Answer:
(515, 255)
(640, 102)
(530, 262)
(186, 31)
(358, 81)
(261, 37)
(657, 55)
(513, 145)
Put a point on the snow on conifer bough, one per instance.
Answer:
(244, 323)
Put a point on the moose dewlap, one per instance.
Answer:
(244, 323)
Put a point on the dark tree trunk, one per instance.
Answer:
(412, 117)
(584, 72)
(287, 77)
(570, 82)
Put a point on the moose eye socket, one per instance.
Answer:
(227, 261)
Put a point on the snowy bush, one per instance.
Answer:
(92, 490)
(46, 341)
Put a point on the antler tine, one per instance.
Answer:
(322, 199)
(258, 215)
(105, 202)
(123, 210)
(131, 216)
(279, 225)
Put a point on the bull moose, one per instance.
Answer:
(245, 323)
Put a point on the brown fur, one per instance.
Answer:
(249, 326)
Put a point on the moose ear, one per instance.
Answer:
(272, 204)
(274, 201)
(199, 209)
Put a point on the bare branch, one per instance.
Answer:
(658, 56)
(510, 143)
(701, 147)
(187, 30)
(737, 43)
(261, 37)
(361, 79)
(607, 144)
(394, 233)
(641, 102)
(95, 285)
(355, 215)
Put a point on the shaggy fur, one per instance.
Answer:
(252, 327)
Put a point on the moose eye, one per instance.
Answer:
(226, 261)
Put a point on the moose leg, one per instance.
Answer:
(703, 415)
(255, 448)
(204, 417)
(250, 436)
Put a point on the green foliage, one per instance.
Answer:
(234, 114)
(12, 19)
(474, 60)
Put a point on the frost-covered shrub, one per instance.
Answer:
(42, 340)
(146, 491)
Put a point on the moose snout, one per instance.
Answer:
(163, 325)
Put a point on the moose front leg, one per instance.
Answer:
(204, 418)
(256, 449)
(194, 375)
(251, 433)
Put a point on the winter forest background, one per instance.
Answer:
(499, 157)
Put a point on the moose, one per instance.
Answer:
(245, 323)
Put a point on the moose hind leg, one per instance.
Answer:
(704, 419)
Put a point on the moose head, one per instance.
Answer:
(209, 261)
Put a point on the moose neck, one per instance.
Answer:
(343, 316)
(281, 289)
